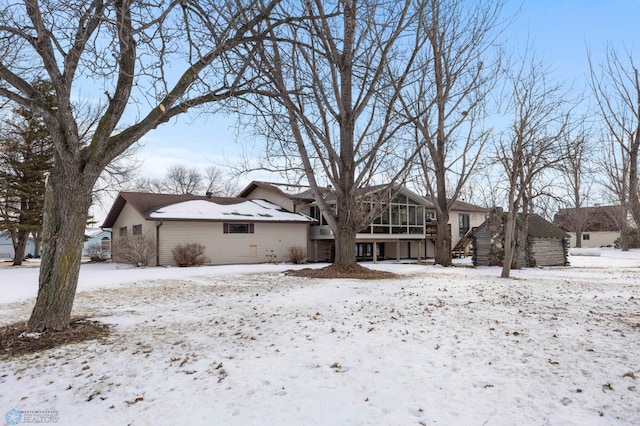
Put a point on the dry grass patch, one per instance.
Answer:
(339, 271)
(15, 341)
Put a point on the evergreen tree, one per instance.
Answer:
(26, 157)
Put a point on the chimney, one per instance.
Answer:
(209, 194)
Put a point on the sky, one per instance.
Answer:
(559, 31)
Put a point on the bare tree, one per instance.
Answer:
(486, 187)
(616, 86)
(460, 66)
(530, 146)
(616, 165)
(181, 179)
(336, 83)
(577, 178)
(218, 184)
(129, 51)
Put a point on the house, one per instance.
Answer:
(405, 229)
(233, 230)
(598, 226)
(6, 247)
(546, 245)
(97, 239)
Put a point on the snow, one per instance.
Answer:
(246, 344)
(254, 210)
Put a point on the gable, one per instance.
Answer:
(132, 207)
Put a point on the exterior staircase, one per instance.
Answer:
(461, 248)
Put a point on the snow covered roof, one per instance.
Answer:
(94, 232)
(194, 207)
(253, 210)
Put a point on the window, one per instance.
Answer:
(314, 212)
(105, 244)
(136, 229)
(420, 215)
(122, 231)
(365, 251)
(463, 224)
(395, 215)
(586, 237)
(238, 228)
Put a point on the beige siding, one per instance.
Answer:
(596, 239)
(128, 218)
(269, 242)
(262, 194)
(475, 219)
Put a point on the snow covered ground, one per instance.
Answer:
(246, 345)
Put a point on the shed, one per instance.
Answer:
(546, 245)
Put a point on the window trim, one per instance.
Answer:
(464, 224)
(232, 228)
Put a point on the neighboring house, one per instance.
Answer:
(6, 247)
(546, 245)
(406, 227)
(600, 226)
(96, 237)
(233, 230)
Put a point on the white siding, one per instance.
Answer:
(269, 242)
(262, 194)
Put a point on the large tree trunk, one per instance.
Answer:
(345, 234)
(443, 240)
(624, 235)
(522, 237)
(509, 244)
(345, 242)
(67, 202)
(20, 247)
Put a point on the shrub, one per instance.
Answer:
(297, 255)
(190, 254)
(96, 253)
(633, 239)
(136, 250)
